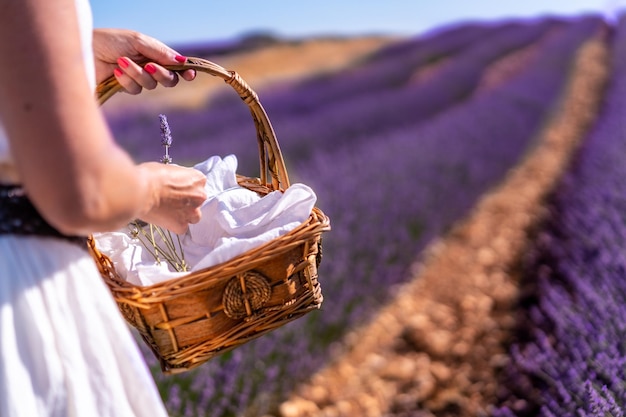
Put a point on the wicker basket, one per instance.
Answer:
(187, 321)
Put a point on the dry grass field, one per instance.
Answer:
(282, 63)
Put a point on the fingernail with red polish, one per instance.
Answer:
(150, 69)
(123, 62)
(180, 58)
(118, 72)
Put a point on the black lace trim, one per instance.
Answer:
(18, 216)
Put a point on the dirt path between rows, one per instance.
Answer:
(436, 349)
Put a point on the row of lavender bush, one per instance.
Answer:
(224, 113)
(388, 194)
(407, 186)
(569, 358)
(404, 101)
(342, 108)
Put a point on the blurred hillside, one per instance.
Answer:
(261, 61)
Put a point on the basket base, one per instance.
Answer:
(187, 330)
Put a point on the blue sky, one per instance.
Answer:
(191, 21)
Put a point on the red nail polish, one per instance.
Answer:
(181, 59)
(123, 62)
(118, 72)
(150, 69)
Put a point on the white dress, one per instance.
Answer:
(65, 349)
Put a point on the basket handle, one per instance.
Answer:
(270, 157)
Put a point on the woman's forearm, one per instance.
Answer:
(73, 171)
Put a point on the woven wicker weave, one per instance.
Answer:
(189, 320)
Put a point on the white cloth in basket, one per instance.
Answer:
(234, 220)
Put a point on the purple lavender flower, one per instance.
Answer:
(572, 346)
(166, 138)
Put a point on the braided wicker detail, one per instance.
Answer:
(128, 313)
(242, 88)
(246, 294)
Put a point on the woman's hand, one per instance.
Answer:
(178, 193)
(136, 60)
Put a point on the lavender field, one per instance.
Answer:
(400, 147)
(569, 355)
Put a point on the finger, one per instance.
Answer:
(195, 216)
(129, 85)
(161, 75)
(138, 75)
(188, 75)
(157, 51)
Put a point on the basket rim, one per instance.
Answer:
(146, 296)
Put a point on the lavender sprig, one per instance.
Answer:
(166, 138)
(149, 234)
